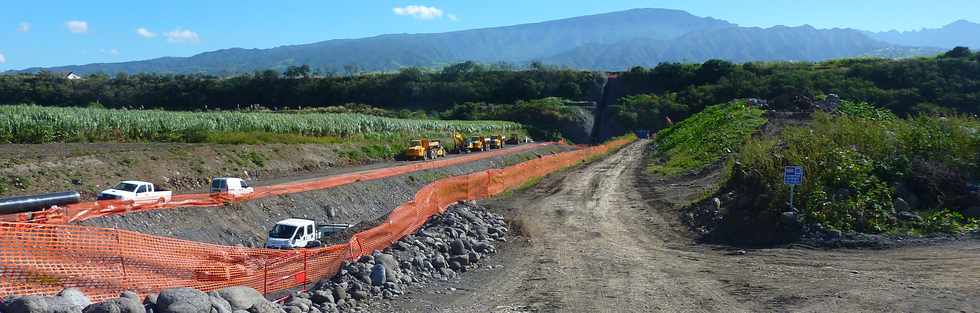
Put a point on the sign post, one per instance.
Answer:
(792, 176)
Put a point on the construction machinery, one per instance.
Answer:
(480, 143)
(467, 145)
(461, 144)
(424, 149)
(497, 141)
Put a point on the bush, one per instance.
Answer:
(854, 161)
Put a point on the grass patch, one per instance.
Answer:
(705, 138)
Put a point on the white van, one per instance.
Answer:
(231, 186)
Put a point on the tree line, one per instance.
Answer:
(945, 84)
(297, 87)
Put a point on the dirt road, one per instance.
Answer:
(605, 238)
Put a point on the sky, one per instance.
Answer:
(65, 32)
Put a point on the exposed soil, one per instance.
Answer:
(363, 204)
(607, 238)
(89, 168)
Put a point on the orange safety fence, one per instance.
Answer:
(41, 259)
(89, 210)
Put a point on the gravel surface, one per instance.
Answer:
(607, 238)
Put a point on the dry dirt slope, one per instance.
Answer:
(604, 238)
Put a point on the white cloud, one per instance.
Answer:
(3, 59)
(145, 33)
(78, 27)
(420, 12)
(24, 27)
(452, 17)
(181, 35)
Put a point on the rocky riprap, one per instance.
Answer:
(174, 300)
(447, 245)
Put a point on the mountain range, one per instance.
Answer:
(610, 41)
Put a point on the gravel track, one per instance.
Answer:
(607, 238)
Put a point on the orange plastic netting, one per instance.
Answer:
(44, 258)
(93, 209)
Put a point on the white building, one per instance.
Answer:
(72, 76)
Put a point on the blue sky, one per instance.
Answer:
(50, 33)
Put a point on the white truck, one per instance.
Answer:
(300, 233)
(231, 186)
(140, 192)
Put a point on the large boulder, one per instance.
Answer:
(117, 305)
(457, 247)
(39, 304)
(131, 296)
(390, 263)
(75, 296)
(321, 296)
(183, 300)
(378, 275)
(265, 306)
(240, 297)
(340, 294)
(219, 304)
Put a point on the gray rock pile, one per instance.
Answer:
(175, 300)
(447, 245)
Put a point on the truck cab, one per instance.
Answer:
(478, 143)
(497, 141)
(140, 192)
(295, 233)
(424, 149)
(231, 186)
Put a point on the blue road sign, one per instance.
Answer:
(793, 175)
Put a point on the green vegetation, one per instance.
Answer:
(945, 84)
(705, 138)
(546, 119)
(859, 163)
(34, 124)
(410, 88)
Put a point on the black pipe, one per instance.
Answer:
(37, 202)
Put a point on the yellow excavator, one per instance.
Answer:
(424, 149)
(467, 145)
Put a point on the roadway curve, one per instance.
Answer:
(601, 238)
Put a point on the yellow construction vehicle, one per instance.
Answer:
(479, 143)
(461, 144)
(424, 149)
(497, 141)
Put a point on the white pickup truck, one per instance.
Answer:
(300, 233)
(140, 192)
(230, 186)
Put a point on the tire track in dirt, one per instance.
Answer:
(606, 238)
